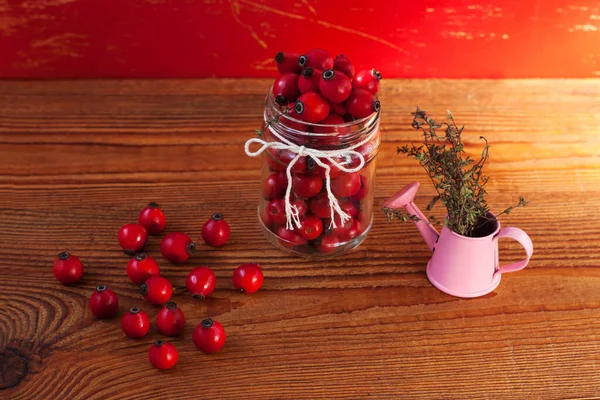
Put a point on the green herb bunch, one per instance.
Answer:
(458, 179)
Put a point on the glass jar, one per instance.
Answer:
(314, 230)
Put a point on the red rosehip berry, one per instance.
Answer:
(317, 59)
(367, 80)
(141, 267)
(346, 185)
(309, 80)
(319, 206)
(306, 186)
(304, 165)
(274, 186)
(276, 212)
(215, 231)
(311, 107)
(163, 355)
(201, 282)
(287, 62)
(362, 103)
(285, 88)
(301, 206)
(157, 289)
(248, 278)
(342, 64)
(170, 320)
(329, 243)
(311, 227)
(104, 302)
(209, 336)
(364, 189)
(335, 87)
(334, 124)
(135, 324)
(338, 108)
(67, 268)
(353, 231)
(177, 247)
(132, 238)
(289, 238)
(152, 218)
(292, 120)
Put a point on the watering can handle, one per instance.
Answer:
(521, 237)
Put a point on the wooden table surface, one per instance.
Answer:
(81, 158)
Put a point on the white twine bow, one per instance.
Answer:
(291, 211)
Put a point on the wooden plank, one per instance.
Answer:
(81, 158)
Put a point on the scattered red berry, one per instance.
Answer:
(335, 87)
(311, 227)
(306, 186)
(157, 289)
(346, 185)
(274, 186)
(209, 336)
(104, 302)
(201, 282)
(248, 278)
(177, 247)
(287, 62)
(362, 103)
(132, 238)
(141, 267)
(285, 88)
(367, 80)
(342, 64)
(152, 218)
(67, 268)
(311, 107)
(163, 355)
(317, 59)
(135, 324)
(215, 231)
(309, 80)
(170, 320)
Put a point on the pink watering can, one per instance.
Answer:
(462, 266)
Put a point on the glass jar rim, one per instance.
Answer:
(367, 122)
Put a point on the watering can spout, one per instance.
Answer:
(404, 198)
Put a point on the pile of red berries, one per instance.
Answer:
(321, 90)
(143, 271)
(320, 95)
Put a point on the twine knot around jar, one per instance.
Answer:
(291, 211)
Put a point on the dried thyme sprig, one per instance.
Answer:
(457, 178)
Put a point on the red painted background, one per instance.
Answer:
(237, 38)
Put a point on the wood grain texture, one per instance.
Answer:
(80, 158)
